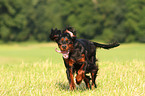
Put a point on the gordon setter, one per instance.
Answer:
(79, 56)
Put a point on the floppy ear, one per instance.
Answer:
(71, 31)
(55, 34)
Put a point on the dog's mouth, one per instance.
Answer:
(64, 53)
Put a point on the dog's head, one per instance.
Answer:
(65, 44)
(64, 39)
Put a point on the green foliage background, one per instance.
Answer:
(107, 20)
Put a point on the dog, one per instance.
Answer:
(79, 56)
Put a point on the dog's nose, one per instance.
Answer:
(64, 46)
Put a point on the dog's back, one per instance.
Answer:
(89, 47)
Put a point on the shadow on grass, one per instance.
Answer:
(65, 86)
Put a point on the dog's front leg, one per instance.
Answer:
(81, 73)
(70, 77)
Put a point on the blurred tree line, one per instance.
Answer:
(107, 20)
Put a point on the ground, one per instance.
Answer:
(36, 69)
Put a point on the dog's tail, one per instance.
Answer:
(106, 46)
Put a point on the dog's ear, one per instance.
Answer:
(71, 31)
(55, 34)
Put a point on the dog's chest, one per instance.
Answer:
(78, 53)
(77, 56)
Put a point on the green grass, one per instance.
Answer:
(37, 70)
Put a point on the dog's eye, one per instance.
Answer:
(61, 42)
(66, 41)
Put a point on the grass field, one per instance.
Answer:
(37, 70)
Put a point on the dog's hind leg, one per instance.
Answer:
(94, 75)
(93, 80)
(87, 81)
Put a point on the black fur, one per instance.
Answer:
(82, 56)
(55, 34)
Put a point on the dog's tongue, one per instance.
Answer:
(64, 53)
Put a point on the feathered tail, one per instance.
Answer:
(106, 46)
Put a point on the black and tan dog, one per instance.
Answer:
(79, 56)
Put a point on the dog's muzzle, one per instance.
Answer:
(64, 53)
